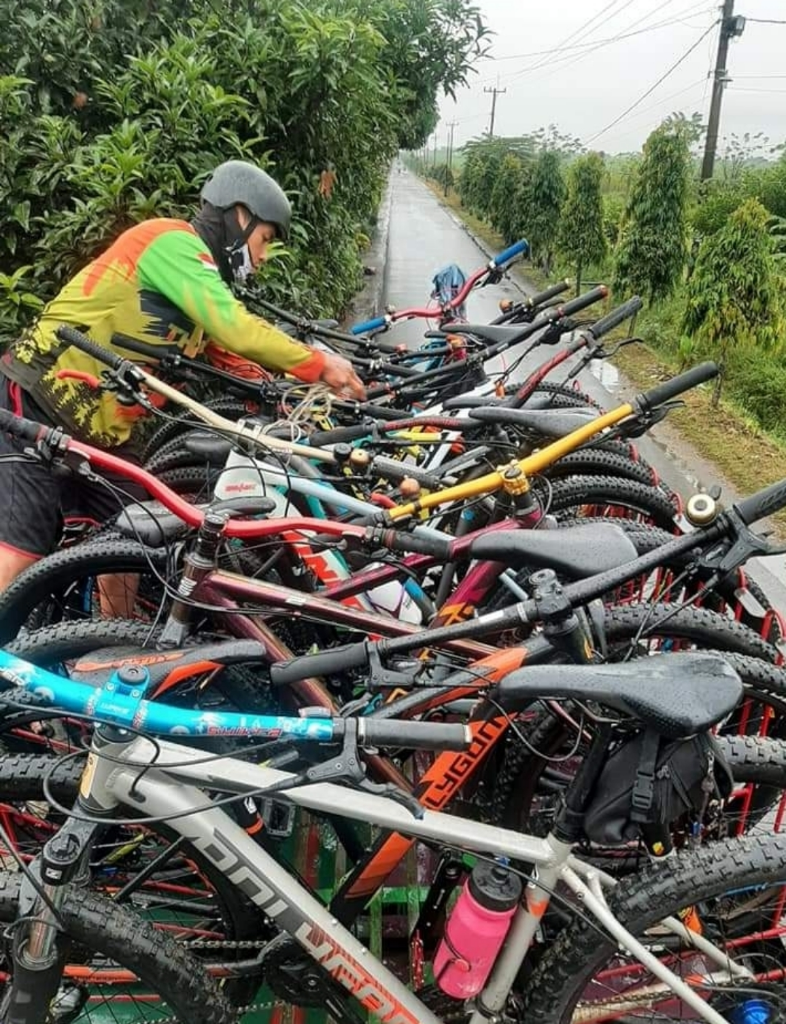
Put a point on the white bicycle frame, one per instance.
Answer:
(162, 781)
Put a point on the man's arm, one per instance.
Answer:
(179, 266)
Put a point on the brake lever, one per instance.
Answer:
(621, 344)
(641, 423)
(746, 544)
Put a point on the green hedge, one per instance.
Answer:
(116, 110)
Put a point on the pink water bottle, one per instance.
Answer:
(476, 929)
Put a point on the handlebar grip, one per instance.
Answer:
(764, 503)
(337, 659)
(414, 735)
(19, 426)
(677, 385)
(369, 325)
(340, 435)
(382, 412)
(512, 250)
(616, 317)
(549, 293)
(417, 544)
(582, 301)
(73, 337)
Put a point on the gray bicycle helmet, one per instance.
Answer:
(237, 182)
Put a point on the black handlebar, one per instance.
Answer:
(340, 435)
(71, 336)
(616, 317)
(677, 385)
(18, 426)
(413, 735)
(582, 301)
(327, 663)
(549, 293)
(769, 500)
(440, 548)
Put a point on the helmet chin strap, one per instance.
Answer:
(237, 251)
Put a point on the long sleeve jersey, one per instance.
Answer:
(158, 283)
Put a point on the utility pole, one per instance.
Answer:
(731, 26)
(434, 161)
(449, 161)
(496, 91)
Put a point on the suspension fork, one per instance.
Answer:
(38, 950)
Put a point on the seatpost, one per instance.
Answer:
(568, 826)
(197, 564)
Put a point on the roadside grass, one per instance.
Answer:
(742, 452)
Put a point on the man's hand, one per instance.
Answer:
(340, 377)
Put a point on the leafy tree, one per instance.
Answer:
(115, 110)
(503, 212)
(581, 236)
(652, 249)
(740, 151)
(733, 295)
(431, 44)
(719, 197)
(555, 141)
(544, 198)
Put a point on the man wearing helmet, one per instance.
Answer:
(165, 282)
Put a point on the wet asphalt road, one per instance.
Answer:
(424, 236)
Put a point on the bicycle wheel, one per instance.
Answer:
(150, 869)
(590, 460)
(733, 891)
(607, 496)
(230, 408)
(65, 585)
(119, 968)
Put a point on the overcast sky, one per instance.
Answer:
(589, 82)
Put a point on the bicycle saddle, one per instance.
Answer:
(536, 401)
(154, 525)
(491, 333)
(473, 401)
(573, 551)
(208, 447)
(548, 422)
(677, 695)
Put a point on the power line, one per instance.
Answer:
(699, 9)
(577, 32)
(638, 124)
(734, 88)
(767, 21)
(565, 63)
(652, 88)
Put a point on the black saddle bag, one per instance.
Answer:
(651, 781)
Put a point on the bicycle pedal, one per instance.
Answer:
(279, 818)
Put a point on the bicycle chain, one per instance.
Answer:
(459, 1015)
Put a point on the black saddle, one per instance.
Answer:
(154, 525)
(677, 695)
(510, 334)
(574, 551)
(548, 422)
(472, 402)
(208, 447)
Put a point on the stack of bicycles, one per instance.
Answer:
(435, 707)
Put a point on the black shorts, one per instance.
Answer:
(35, 500)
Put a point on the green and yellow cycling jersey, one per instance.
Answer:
(158, 283)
